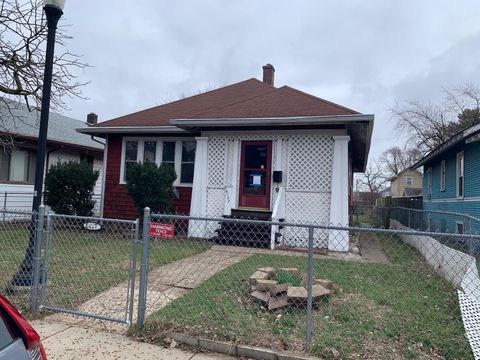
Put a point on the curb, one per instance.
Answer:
(232, 349)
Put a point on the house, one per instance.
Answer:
(17, 163)
(451, 181)
(248, 149)
(387, 192)
(408, 183)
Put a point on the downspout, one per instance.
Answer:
(96, 140)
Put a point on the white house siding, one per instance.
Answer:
(20, 196)
(306, 160)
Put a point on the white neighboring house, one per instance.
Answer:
(17, 165)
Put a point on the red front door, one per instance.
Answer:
(255, 174)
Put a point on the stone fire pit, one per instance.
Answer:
(267, 289)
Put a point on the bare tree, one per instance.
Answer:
(429, 125)
(23, 33)
(395, 159)
(373, 178)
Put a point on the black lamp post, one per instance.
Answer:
(53, 11)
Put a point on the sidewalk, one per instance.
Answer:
(65, 341)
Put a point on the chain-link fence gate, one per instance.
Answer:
(87, 267)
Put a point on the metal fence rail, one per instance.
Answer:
(22, 201)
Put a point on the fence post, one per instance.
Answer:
(309, 288)
(409, 219)
(142, 291)
(133, 270)
(44, 276)
(36, 257)
(5, 205)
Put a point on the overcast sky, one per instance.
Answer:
(361, 54)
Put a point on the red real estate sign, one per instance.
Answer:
(165, 231)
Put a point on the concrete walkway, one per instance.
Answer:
(71, 337)
(63, 341)
(371, 250)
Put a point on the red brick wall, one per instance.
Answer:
(117, 202)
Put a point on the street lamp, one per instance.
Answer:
(53, 11)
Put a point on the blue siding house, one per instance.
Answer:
(451, 183)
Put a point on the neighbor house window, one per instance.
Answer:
(430, 181)
(17, 166)
(178, 154)
(188, 161)
(460, 174)
(459, 227)
(442, 176)
(409, 181)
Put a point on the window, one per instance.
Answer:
(442, 176)
(460, 174)
(150, 151)
(430, 181)
(168, 154)
(17, 166)
(178, 154)
(131, 154)
(188, 161)
(409, 181)
(459, 227)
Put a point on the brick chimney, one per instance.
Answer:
(92, 119)
(268, 74)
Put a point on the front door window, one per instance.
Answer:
(255, 174)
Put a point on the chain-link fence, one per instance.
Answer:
(22, 201)
(387, 294)
(327, 291)
(16, 228)
(442, 223)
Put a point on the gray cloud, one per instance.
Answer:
(361, 54)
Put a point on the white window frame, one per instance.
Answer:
(430, 183)
(460, 155)
(442, 175)
(158, 155)
(406, 181)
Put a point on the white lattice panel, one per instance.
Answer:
(310, 163)
(215, 202)
(306, 207)
(217, 156)
(229, 164)
(470, 309)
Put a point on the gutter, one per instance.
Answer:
(131, 129)
(447, 145)
(97, 141)
(298, 120)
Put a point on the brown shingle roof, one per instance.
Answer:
(247, 99)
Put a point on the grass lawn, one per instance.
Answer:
(398, 311)
(82, 263)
